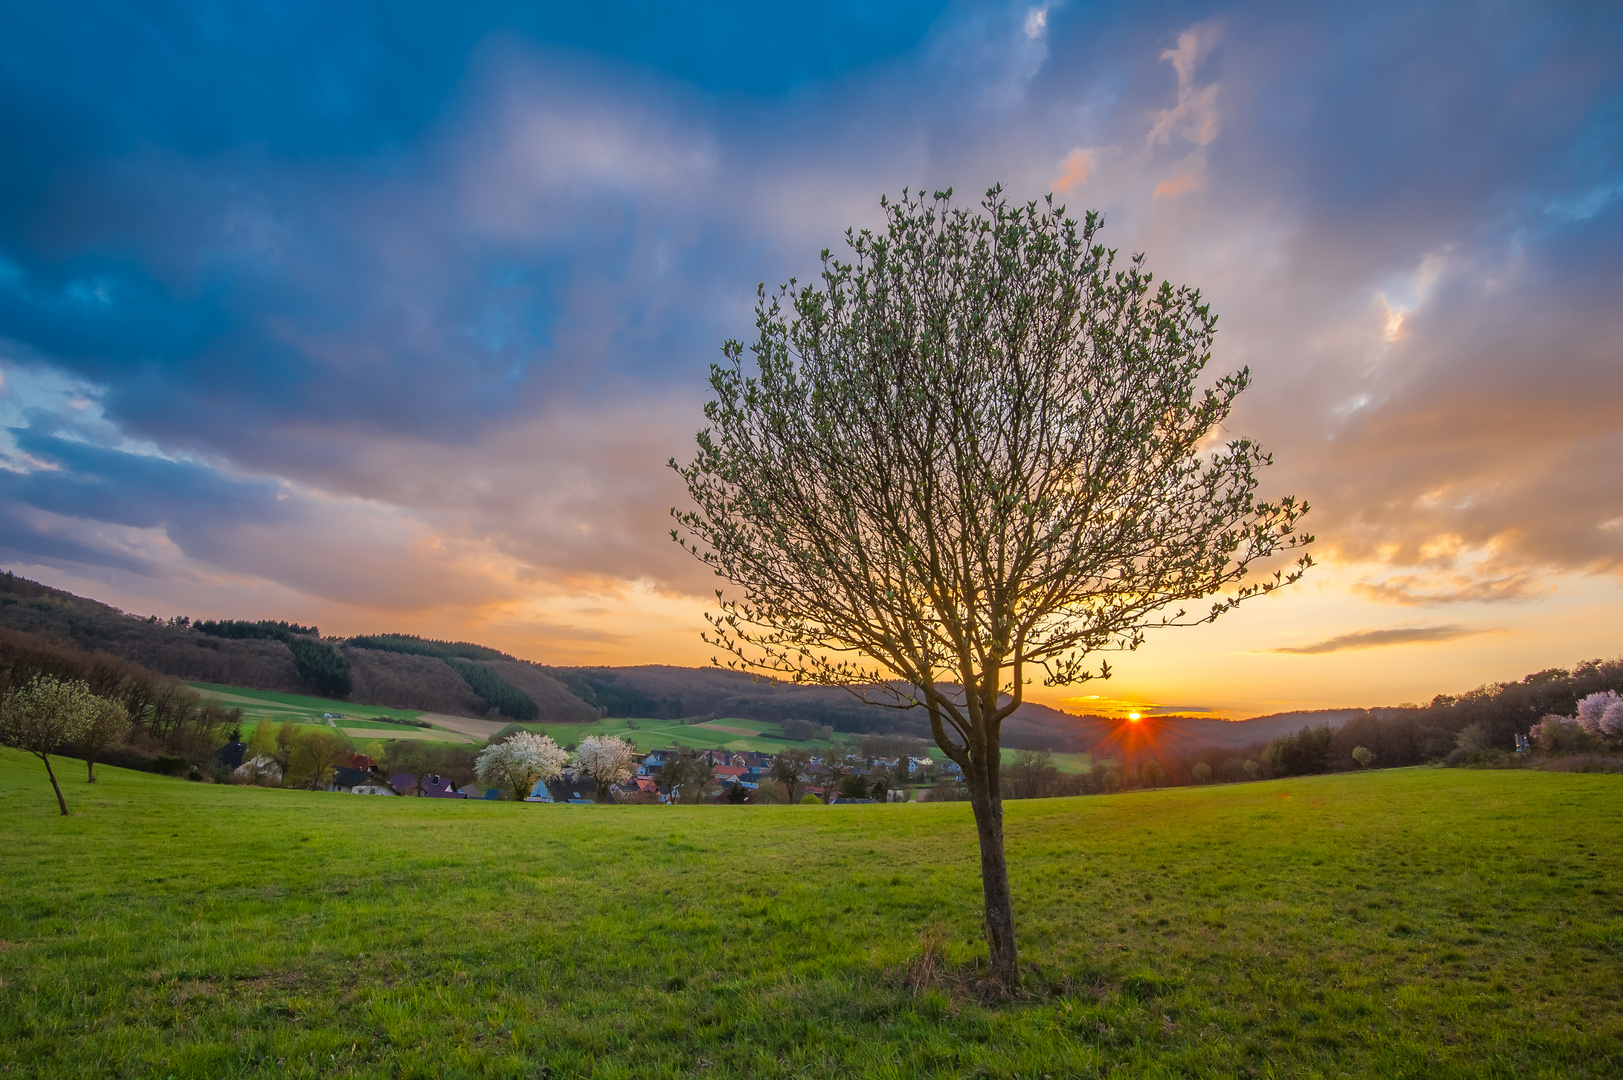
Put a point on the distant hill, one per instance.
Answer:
(466, 679)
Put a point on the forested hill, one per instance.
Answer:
(468, 679)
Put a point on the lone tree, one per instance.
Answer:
(976, 452)
(44, 717)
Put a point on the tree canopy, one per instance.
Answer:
(979, 452)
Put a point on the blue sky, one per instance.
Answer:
(387, 316)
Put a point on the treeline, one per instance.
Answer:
(496, 692)
(246, 630)
(1485, 719)
(320, 665)
(603, 691)
(172, 727)
(413, 645)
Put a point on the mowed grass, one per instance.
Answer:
(1416, 923)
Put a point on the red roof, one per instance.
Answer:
(730, 770)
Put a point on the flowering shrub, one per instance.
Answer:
(1560, 735)
(606, 759)
(1602, 714)
(521, 761)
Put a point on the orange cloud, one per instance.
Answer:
(1178, 185)
(1077, 164)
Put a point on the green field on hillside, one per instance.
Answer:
(360, 722)
(1417, 923)
(295, 708)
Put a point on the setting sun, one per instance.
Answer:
(1133, 717)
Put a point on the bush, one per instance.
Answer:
(1364, 756)
(809, 799)
(1201, 773)
(798, 730)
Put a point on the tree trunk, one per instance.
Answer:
(90, 765)
(60, 801)
(995, 884)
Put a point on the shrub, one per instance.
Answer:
(1364, 756)
(809, 799)
(1201, 773)
(1560, 735)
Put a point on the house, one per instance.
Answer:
(404, 783)
(231, 754)
(262, 768)
(436, 787)
(729, 774)
(371, 789)
(347, 779)
(539, 793)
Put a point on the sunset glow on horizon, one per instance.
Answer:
(405, 347)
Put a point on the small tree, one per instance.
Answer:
(45, 716)
(1201, 773)
(108, 725)
(976, 452)
(607, 759)
(519, 762)
(791, 769)
(1153, 774)
(1364, 756)
(312, 752)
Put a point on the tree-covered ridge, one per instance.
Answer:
(320, 665)
(413, 645)
(245, 629)
(497, 692)
(494, 690)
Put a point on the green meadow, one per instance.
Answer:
(295, 708)
(360, 722)
(1422, 922)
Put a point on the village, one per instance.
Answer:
(671, 775)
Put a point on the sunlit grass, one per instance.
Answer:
(1404, 923)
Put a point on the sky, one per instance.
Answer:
(387, 317)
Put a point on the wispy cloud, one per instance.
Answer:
(1371, 639)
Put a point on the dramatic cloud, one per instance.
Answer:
(402, 321)
(1370, 639)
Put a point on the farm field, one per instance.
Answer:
(1424, 923)
(358, 721)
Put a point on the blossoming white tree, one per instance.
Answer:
(44, 717)
(1602, 714)
(520, 761)
(607, 759)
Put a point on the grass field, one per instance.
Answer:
(361, 722)
(1405, 923)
